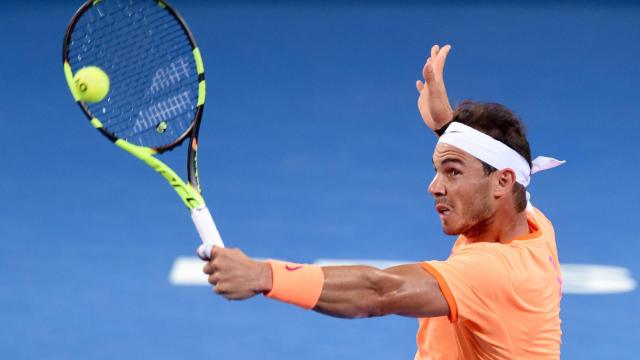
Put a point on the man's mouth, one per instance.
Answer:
(443, 210)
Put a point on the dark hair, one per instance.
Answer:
(502, 124)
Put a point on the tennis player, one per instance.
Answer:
(498, 294)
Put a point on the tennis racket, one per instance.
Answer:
(157, 88)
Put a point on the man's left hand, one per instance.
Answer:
(433, 102)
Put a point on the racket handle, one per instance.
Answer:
(207, 230)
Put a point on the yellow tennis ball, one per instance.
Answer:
(91, 83)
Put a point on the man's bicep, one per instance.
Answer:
(418, 294)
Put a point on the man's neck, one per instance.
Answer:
(501, 227)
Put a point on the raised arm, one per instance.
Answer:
(347, 291)
(433, 102)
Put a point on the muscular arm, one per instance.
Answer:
(362, 291)
(348, 291)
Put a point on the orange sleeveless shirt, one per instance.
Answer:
(504, 299)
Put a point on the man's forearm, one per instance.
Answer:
(355, 291)
(363, 291)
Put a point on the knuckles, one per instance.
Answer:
(213, 279)
(210, 267)
(214, 252)
(207, 268)
(220, 289)
(222, 269)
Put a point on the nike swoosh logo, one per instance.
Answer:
(292, 268)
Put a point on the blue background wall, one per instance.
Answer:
(311, 147)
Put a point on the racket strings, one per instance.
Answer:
(129, 101)
(132, 78)
(149, 59)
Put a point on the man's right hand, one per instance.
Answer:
(433, 102)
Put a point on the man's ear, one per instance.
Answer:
(505, 180)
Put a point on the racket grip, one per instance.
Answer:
(207, 230)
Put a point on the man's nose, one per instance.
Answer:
(436, 188)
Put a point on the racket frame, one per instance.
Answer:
(189, 192)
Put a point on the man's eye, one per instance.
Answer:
(454, 172)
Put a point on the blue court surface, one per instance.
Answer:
(311, 148)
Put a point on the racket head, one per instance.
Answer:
(157, 86)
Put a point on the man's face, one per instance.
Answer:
(461, 190)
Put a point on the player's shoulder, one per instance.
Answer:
(480, 254)
(538, 216)
(544, 225)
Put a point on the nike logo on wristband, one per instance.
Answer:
(292, 268)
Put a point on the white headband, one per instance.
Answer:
(495, 153)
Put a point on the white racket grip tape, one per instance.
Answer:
(207, 230)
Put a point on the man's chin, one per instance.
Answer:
(450, 231)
